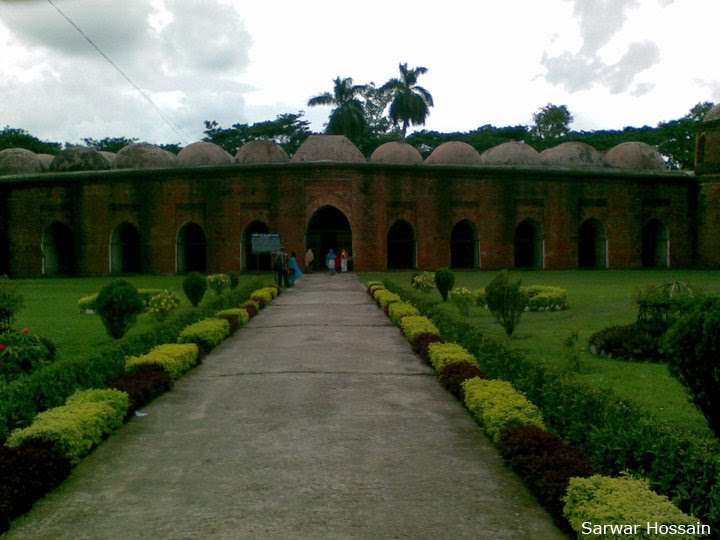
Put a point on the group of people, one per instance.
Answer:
(337, 262)
(288, 271)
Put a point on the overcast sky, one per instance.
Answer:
(614, 63)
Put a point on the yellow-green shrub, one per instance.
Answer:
(496, 405)
(87, 303)
(442, 354)
(546, 298)
(601, 500)
(174, 358)
(384, 297)
(480, 297)
(240, 313)
(398, 310)
(207, 333)
(79, 425)
(373, 282)
(262, 296)
(414, 325)
(375, 288)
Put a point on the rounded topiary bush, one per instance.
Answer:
(234, 279)
(444, 281)
(118, 305)
(195, 284)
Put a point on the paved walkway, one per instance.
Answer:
(314, 421)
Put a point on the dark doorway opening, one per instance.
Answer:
(655, 245)
(328, 229)
(58, 250)
(125, 249)
(191, 249)
(401, 246)
(592, 245)
(528, 245)
(464, 245)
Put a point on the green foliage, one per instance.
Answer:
(262, 296)
(462, 298)
(398, 310)
(444, 281)
(79, 425)
(410, 103)
(207, 333)
(118, 305)
(424, 282)
(693, 349)
(195, 284)
(348, 116)
(496, 405)
(174, 358)
(234, 279)
(109, 144)
(572, 350)
(218, 283)
(20, 353)
(552, 122)
(506, 301)
(545, 298)
(414, 325)
(163, 304)
(19, 138)
(443, 354)
(287, 130)
(384, 297)
(628, 342)
(11, 301)
(600, 500)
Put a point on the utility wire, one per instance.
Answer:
(167, 120)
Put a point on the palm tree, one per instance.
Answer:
(348, 116)
(411, 103)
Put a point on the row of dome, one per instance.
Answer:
(337, 148)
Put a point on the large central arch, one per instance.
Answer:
(401, 246)
(327, 229)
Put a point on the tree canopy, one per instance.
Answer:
(19, 138)
(348, 115)
(552, 122)
(287, 130)
(410, 103)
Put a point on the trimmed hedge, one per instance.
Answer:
(236, 317)
(442, 354)
(414, 325)
(206, 334)
(49, 386)
(398, 310)
(384, 297)
(262, 296)
(174, 358)
(78, 426)
(616, 435)
(496, 405)
(626, 341)
(452, 377)
(86, 304)
(143, 384)
(622, 501)
(540, 297)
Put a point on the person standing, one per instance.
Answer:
(281, 268)
(295, 272)
(330, 262)
(344, 260)
(309, 258)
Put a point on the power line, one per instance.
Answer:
(167, 120)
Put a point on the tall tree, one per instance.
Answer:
(410, 103)
(109, 144)
(348, 117)
(552, 121)
(288, 130)
(19, 138)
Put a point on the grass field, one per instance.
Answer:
(51, 309)
(597, 299)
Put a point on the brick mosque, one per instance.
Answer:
(143, 209)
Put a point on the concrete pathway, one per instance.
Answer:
(315, 421)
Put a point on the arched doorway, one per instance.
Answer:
(250, 261)
(464, 245)
(401, 246)
(655, 244)
(529, 249)
(592, 245)
(328, 228)
(191, 249)
(125, 249)
(58, 250)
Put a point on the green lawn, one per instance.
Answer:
(596, 299)
(51, 309)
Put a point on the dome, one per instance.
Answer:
(572, 154)
(78, 158)
(635, 155)
(19, 161)
(45, 161)
(511, 153)
(259, 152)
(396, 152)
(110, 157)
(143, 156)
(454, 153)
(203, 153)
(328, 148)
(713, 114)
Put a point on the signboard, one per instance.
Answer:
(265, 243)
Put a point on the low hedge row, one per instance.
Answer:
(176, 359)
(415, 325)
(383, 297)
(615, 435)
(206, 334)
(236, 317)
(143, 384)
(442, 354)
(398, 310)
(78, 426)
(540, 298)
(86, 304)
(626, 507)
(22, 399)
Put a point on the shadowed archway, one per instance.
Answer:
(58, 250)
(191, 249)
(250, 261)
(401, 246)
(464, 245)
(655, 245)
(328, 228)
(592, 245)
(529, 245)
(125, 249)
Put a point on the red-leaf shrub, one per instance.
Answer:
(26, 474)
(251, 310)
(421, 343)
(232, 321)
(452, 376)
(143, 384)
(545, 463)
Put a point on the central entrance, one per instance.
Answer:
(328, 229)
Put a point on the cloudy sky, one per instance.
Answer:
(614, 63)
